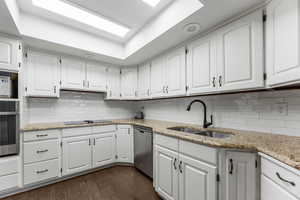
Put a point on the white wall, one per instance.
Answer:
(259, 111)
(74, 106)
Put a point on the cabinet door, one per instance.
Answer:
(157, 77)
(95, 77)
(197, 179)
(72, 74)
(144, 81)
(202, 66)
(124, 145)
(103, 149)
(271, 191)
(240, 54)
(129, 83)
(113, 83)
(166, 173)
(282, 38)
(76, 154)
(42, 75)
(10, 54)
(241, 176)
(175, 73)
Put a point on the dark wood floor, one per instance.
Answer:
(116, 183)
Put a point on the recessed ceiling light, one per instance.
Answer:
(152, 3)
(191, 28)
(80, 15)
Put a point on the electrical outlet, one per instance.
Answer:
(280, 109)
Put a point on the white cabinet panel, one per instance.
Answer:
(166, 173)
(124, 145)
(76, 154)
(129, 83)
(175, 73)
(104, 149)
(72, 73)
(144, 81)
(282, 39)
(95, 77)
(42, 75)
(197, 180)
(158, 77)
(201, 66)
(113, 83)
(9, 181)
(10, 54)
(240, 54)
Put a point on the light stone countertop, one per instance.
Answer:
(281, 147)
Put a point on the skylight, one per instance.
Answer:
(80, 15)
(152, 3)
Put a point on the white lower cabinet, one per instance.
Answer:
(124, 144)
(104, 149)
(9, 173)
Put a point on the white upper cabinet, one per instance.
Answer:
(144, 81)
(202, 66)
(175, 73)
(72, 73)
(10, 54)
(282, 42)
(157, 77)
(42, 75)
(113, 83)
(240, 54)
(95, 77)
(129, 83)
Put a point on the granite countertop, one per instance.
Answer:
(281, 147)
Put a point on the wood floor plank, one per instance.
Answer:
(115, 183)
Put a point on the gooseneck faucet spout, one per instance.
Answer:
(206, 124)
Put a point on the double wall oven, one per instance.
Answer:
(9, 127)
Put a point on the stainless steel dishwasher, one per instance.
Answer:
(143, 150)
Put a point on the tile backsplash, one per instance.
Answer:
(74, 106)
(276, 112)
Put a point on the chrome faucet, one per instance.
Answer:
(206, 124)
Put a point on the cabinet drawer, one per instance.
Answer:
(41, 135)
(165, 141)
(9, 181)
(8, 166)
(41, 171)
(198, 151)
(39, 151)
(70, 132)
(280, 175)
(104, 129)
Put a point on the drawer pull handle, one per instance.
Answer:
(42, 171)
(230, 166)
(180, 167)
(42, 135)
(284, 180)
(174, 163)
(42, 151)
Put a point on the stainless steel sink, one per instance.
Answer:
(213, 134)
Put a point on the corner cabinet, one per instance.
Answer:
(282, 42)
(42, 77)
(124, 144)
(10, 54)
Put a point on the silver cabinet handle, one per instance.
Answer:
(94, 141)
(230, 166)
(164, 90)
(284, 180)
(220, 81)
(42, 151)
(42, 171)
(54, 88)
(89, 141)
(214, 82)
(180, 167)
(42, 135)
(167, 89)
(174, 163)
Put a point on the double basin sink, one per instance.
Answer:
(212, 134)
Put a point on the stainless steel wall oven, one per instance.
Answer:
(9, 127)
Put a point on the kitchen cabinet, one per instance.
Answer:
(202, 66)
(9, 173)
(42, 78)
(240, 62)
(72, 73)
(76, 154)
(157, 77)
(282, 42)
(103, 149)
(129, 83)
(175, 73)
(144, 81)
(95, 76)
(124, 144)
(113, 83)
(10, 54)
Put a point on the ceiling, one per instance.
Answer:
(134, 14)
